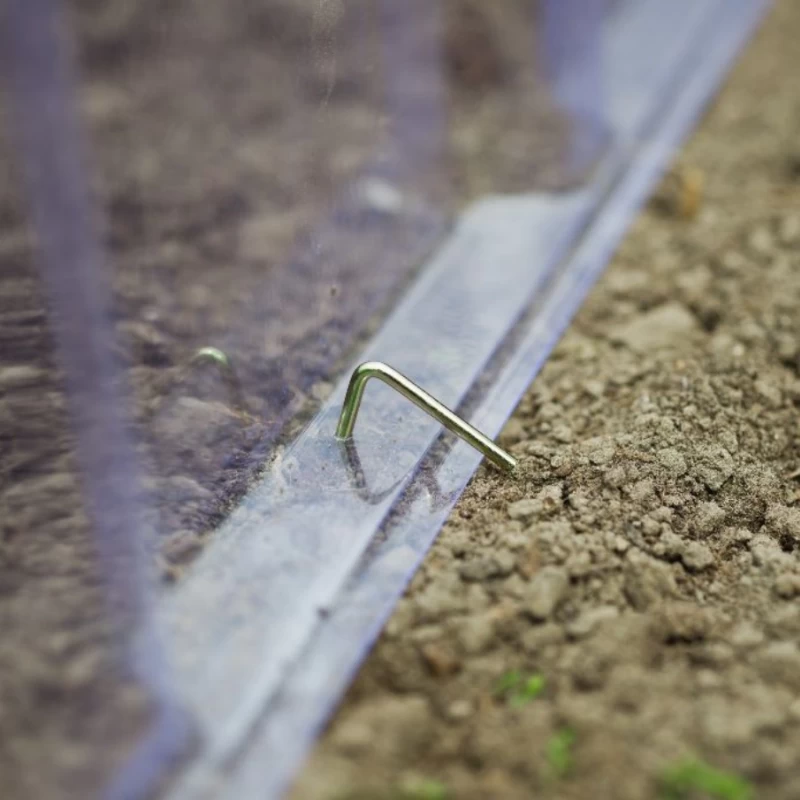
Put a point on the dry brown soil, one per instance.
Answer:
(645, 562)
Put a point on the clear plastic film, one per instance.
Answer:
(87, 699)
(213, 213)
(275, 173)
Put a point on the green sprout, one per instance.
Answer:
(423, 789)
(411, 789)
(508, 682)
(519, 691)
(689, 775)
(530, 690)
(559, 752)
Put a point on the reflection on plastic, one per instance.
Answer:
(358, 481)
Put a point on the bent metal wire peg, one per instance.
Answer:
(383, 372)
(214, 356)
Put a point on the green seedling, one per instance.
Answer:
(423, 789)
(559, 752)
(519, 691)
(507, 683)
(530, 690)
(692, 775)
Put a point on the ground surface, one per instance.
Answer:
(622, 620)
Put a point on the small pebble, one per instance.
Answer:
(696, 557)
(682, 622)
(590, 620)
(547, 589)
(746, 635)
(783, 521)
(460, 710)
(497, 565)
(672, 461)
(439, 659)
(475, 633)
(761, 242)
(708, 518)
(789, 229)
(787, 586)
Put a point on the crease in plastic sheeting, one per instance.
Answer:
(70, 259)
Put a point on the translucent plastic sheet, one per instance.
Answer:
(77, 624)
(274, 172)
(270, 178)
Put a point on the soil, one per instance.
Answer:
(622, 619)
(252, 174)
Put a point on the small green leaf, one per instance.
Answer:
(424, 789)
(693, 775)
(519, 691)
(529, 690)
(507, 682)
(559, 752)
